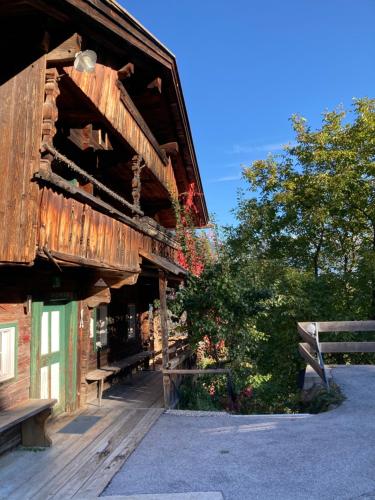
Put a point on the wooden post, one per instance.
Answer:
(136, 166)
(50, 115)
(164, 334)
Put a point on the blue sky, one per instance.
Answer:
(247, 65)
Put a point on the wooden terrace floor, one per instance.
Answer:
(88, 447)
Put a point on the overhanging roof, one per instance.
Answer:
(117, 30)
(163, 263)
(111, 15)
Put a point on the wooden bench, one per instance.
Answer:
(101, 374)
(32, 415)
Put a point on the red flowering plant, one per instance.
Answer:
(195, 248)
(221, 303)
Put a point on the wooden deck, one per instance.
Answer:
(88, 447)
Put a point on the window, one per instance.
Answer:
(7, 351)
(131, 321)
(102, 325)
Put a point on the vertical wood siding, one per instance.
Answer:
(21, 100)
(72, 228)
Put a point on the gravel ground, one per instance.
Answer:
(326, 456)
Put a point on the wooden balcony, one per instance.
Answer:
(74, 232)
(110, 99)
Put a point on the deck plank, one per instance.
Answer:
(62, 472)
(96, 483)
(45, 470)
(73, 462)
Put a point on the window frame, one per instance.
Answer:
(131, 319)
(98, 335)
(13, 376)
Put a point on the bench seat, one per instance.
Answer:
(32, 415)
(101, 374)
(129, 361)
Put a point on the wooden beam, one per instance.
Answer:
(170, 148)
(133, 110)
(88, 138)
(126, 71)
(45, 42)
(66, 51)
(303, 350)
(123, 31)
(164, 335)
(177, 361)
(155, 85)
(346, 326)
(97, 297)
(83, 261)
(130, 279)
(307, 337)
(347, 347)
(198, 371)
(163, 263)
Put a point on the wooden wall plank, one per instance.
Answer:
(71, 228)
(21, 100)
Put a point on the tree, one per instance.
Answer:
(303, 250)
(308, 233)
(315, 209)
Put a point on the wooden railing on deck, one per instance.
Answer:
(312, 349)
(175, 378)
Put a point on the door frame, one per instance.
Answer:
(68, 353)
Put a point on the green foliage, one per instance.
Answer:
(323, 400)
(311, 228)
(194, 394)
(303, 249)
(315, 209)
(220, 305)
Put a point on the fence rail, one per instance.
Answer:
(312, 349)
(175, 378)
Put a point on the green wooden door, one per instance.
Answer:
(52, 354)
(53, 363)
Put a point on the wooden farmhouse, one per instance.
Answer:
(94, 144)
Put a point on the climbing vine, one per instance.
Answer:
(196, 248)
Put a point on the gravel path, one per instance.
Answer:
(326, 456)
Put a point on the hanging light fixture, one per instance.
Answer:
(85, 61)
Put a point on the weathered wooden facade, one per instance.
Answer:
(89, 162)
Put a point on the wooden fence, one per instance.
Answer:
(312, 349)
(174, 376)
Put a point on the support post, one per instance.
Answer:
(136, 166)
(34, 432)
(164, 334)
(50, 116)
